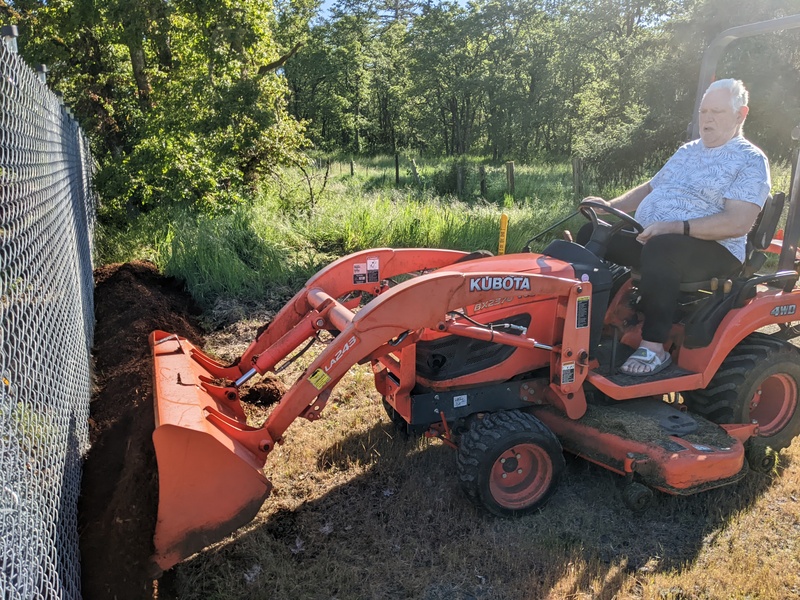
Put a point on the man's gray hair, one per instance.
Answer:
(739, 95)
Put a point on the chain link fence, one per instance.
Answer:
(47, 312)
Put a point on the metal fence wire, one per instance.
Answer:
(47, 315)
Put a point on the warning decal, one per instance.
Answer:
(319, 379)
(568, 373)
(582, 312)
(373, 269)
(360, 273)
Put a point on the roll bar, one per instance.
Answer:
(716, 48)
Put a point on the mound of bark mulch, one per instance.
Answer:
(119, 495)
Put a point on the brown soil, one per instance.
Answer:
(264, 393)
(118, 505)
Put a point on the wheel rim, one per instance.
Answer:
(774, 404)
(520, 476)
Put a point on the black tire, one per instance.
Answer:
(758, 381)
(509, 463)
(761, 459)
(637, 497)
(398, 421)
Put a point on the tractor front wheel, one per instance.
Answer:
(758, 381)
(509, 462)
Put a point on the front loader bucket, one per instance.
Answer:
(209, 484)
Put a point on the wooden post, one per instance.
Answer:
(510, 176)
(396, 168)
(352, 168)
(459, 180)
(482, 171)
(577, 176)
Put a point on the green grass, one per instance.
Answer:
(283, 237)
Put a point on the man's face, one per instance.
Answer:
(719, 123)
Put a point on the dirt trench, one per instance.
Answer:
(119, 493)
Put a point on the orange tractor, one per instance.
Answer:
(510, 360)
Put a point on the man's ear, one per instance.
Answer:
(743, 113)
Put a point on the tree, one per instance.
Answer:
(183, 101)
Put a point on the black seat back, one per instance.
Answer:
(763, 230)
(761, 234)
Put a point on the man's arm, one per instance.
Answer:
(629, 201)
(736, 219)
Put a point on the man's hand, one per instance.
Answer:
(659, 229)
(597, 199)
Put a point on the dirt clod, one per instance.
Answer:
(264, 393)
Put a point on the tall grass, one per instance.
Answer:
(281, 238)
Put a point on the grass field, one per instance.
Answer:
(282, 237)
(270, 246)
(358, 510)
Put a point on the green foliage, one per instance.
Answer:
(612, 83)
(182, 101)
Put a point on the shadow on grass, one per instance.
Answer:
(402, 528)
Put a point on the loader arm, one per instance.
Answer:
(206, 450)
(364, 271)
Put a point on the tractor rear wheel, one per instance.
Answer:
(758, 381)
(509, 462)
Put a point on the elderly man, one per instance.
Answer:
(696, 213)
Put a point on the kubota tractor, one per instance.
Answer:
(509, 359)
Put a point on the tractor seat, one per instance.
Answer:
(758, 240)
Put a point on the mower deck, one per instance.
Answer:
(663, 447)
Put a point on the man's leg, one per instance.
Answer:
(666, 261)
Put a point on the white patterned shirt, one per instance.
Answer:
(697, 180)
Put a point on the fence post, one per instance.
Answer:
(577, 176)
(352, 168)
(459, 180)
(9, 34)
(396, 168)
(510, 177)
(41, 73)
(482, 172)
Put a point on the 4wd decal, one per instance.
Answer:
(489, 284)
(782, 311)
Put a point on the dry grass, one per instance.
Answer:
(360, 512)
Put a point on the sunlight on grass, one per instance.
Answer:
(280, 239)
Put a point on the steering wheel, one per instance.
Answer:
(587, 210)
(602, 231)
